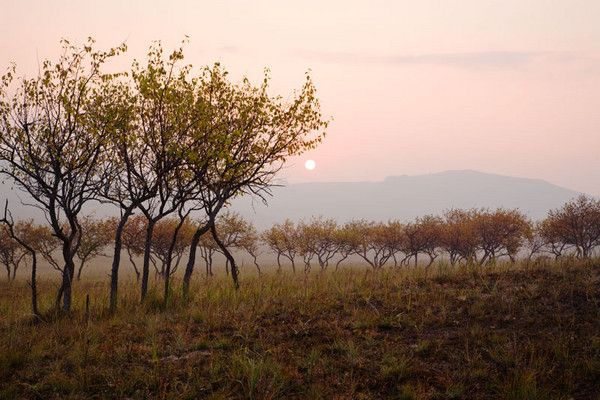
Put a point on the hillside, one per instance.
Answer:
(406, 197)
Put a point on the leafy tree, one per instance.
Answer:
(459, 237)
(282, 239)
(500, 233)
(576, 224)
(52, 141)
(370, 241)
(96, 235)
(25, 234)
(258, 133)
(164, 232)
(11, 253)
(133, 235)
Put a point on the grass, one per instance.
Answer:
(507, 332)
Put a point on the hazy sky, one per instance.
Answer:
(510, 87)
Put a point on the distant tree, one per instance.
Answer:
(250, 242)
(535, 243)
(345, 242)
(25, 234)
(282, 239)
(237, 233)
(164, 232)
(371, 242)
(500, 233)
(459, 236)
(319, 240)
(576, 224)
(96, 235)
(11, 253)
(208, 249)
(133, 235)
(424, 235)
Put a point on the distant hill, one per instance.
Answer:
(396, 197)
(405, 197)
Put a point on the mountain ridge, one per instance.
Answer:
(401, 197)
(406, 197)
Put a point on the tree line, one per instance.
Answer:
(159, 140)
(475, 236)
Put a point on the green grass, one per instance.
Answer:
(507, 332)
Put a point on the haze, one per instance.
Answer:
(508, 87)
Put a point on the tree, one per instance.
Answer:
(208, 248)
(95, 236)
(576, 224)
(282, 239)
(260, 132)
(424, 235)
(500, 233)
(163, 233)
(25, 233)
(11, 253)
(318, 239)
(52, 141)
(459, 237)
(235, 232)
(132, 238)
(535, 241)
(370, 242)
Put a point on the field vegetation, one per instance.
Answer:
(511, 331)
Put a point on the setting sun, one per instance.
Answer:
(310, 165)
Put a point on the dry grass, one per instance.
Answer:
(511, 332)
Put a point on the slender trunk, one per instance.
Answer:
(254, 259)
(146, 266)
(81, 265)
(337, 264)
(278, 262)
(189, 268)
(135, 268)
(114, 271)
(169, 259)
(230, 259)
(33, 284)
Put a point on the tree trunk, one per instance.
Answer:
(146, 266)
(33, 284)
(169, 259)
(189, 268)
(230, 259)
(81, 265)
(114, 271)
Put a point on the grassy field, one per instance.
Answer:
(507, 332)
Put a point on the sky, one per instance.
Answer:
(413, 87)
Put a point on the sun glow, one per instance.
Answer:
(310, 165)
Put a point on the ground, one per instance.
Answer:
(507, 332)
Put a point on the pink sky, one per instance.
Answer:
(510, 87)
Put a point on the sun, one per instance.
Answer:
(310, 165)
